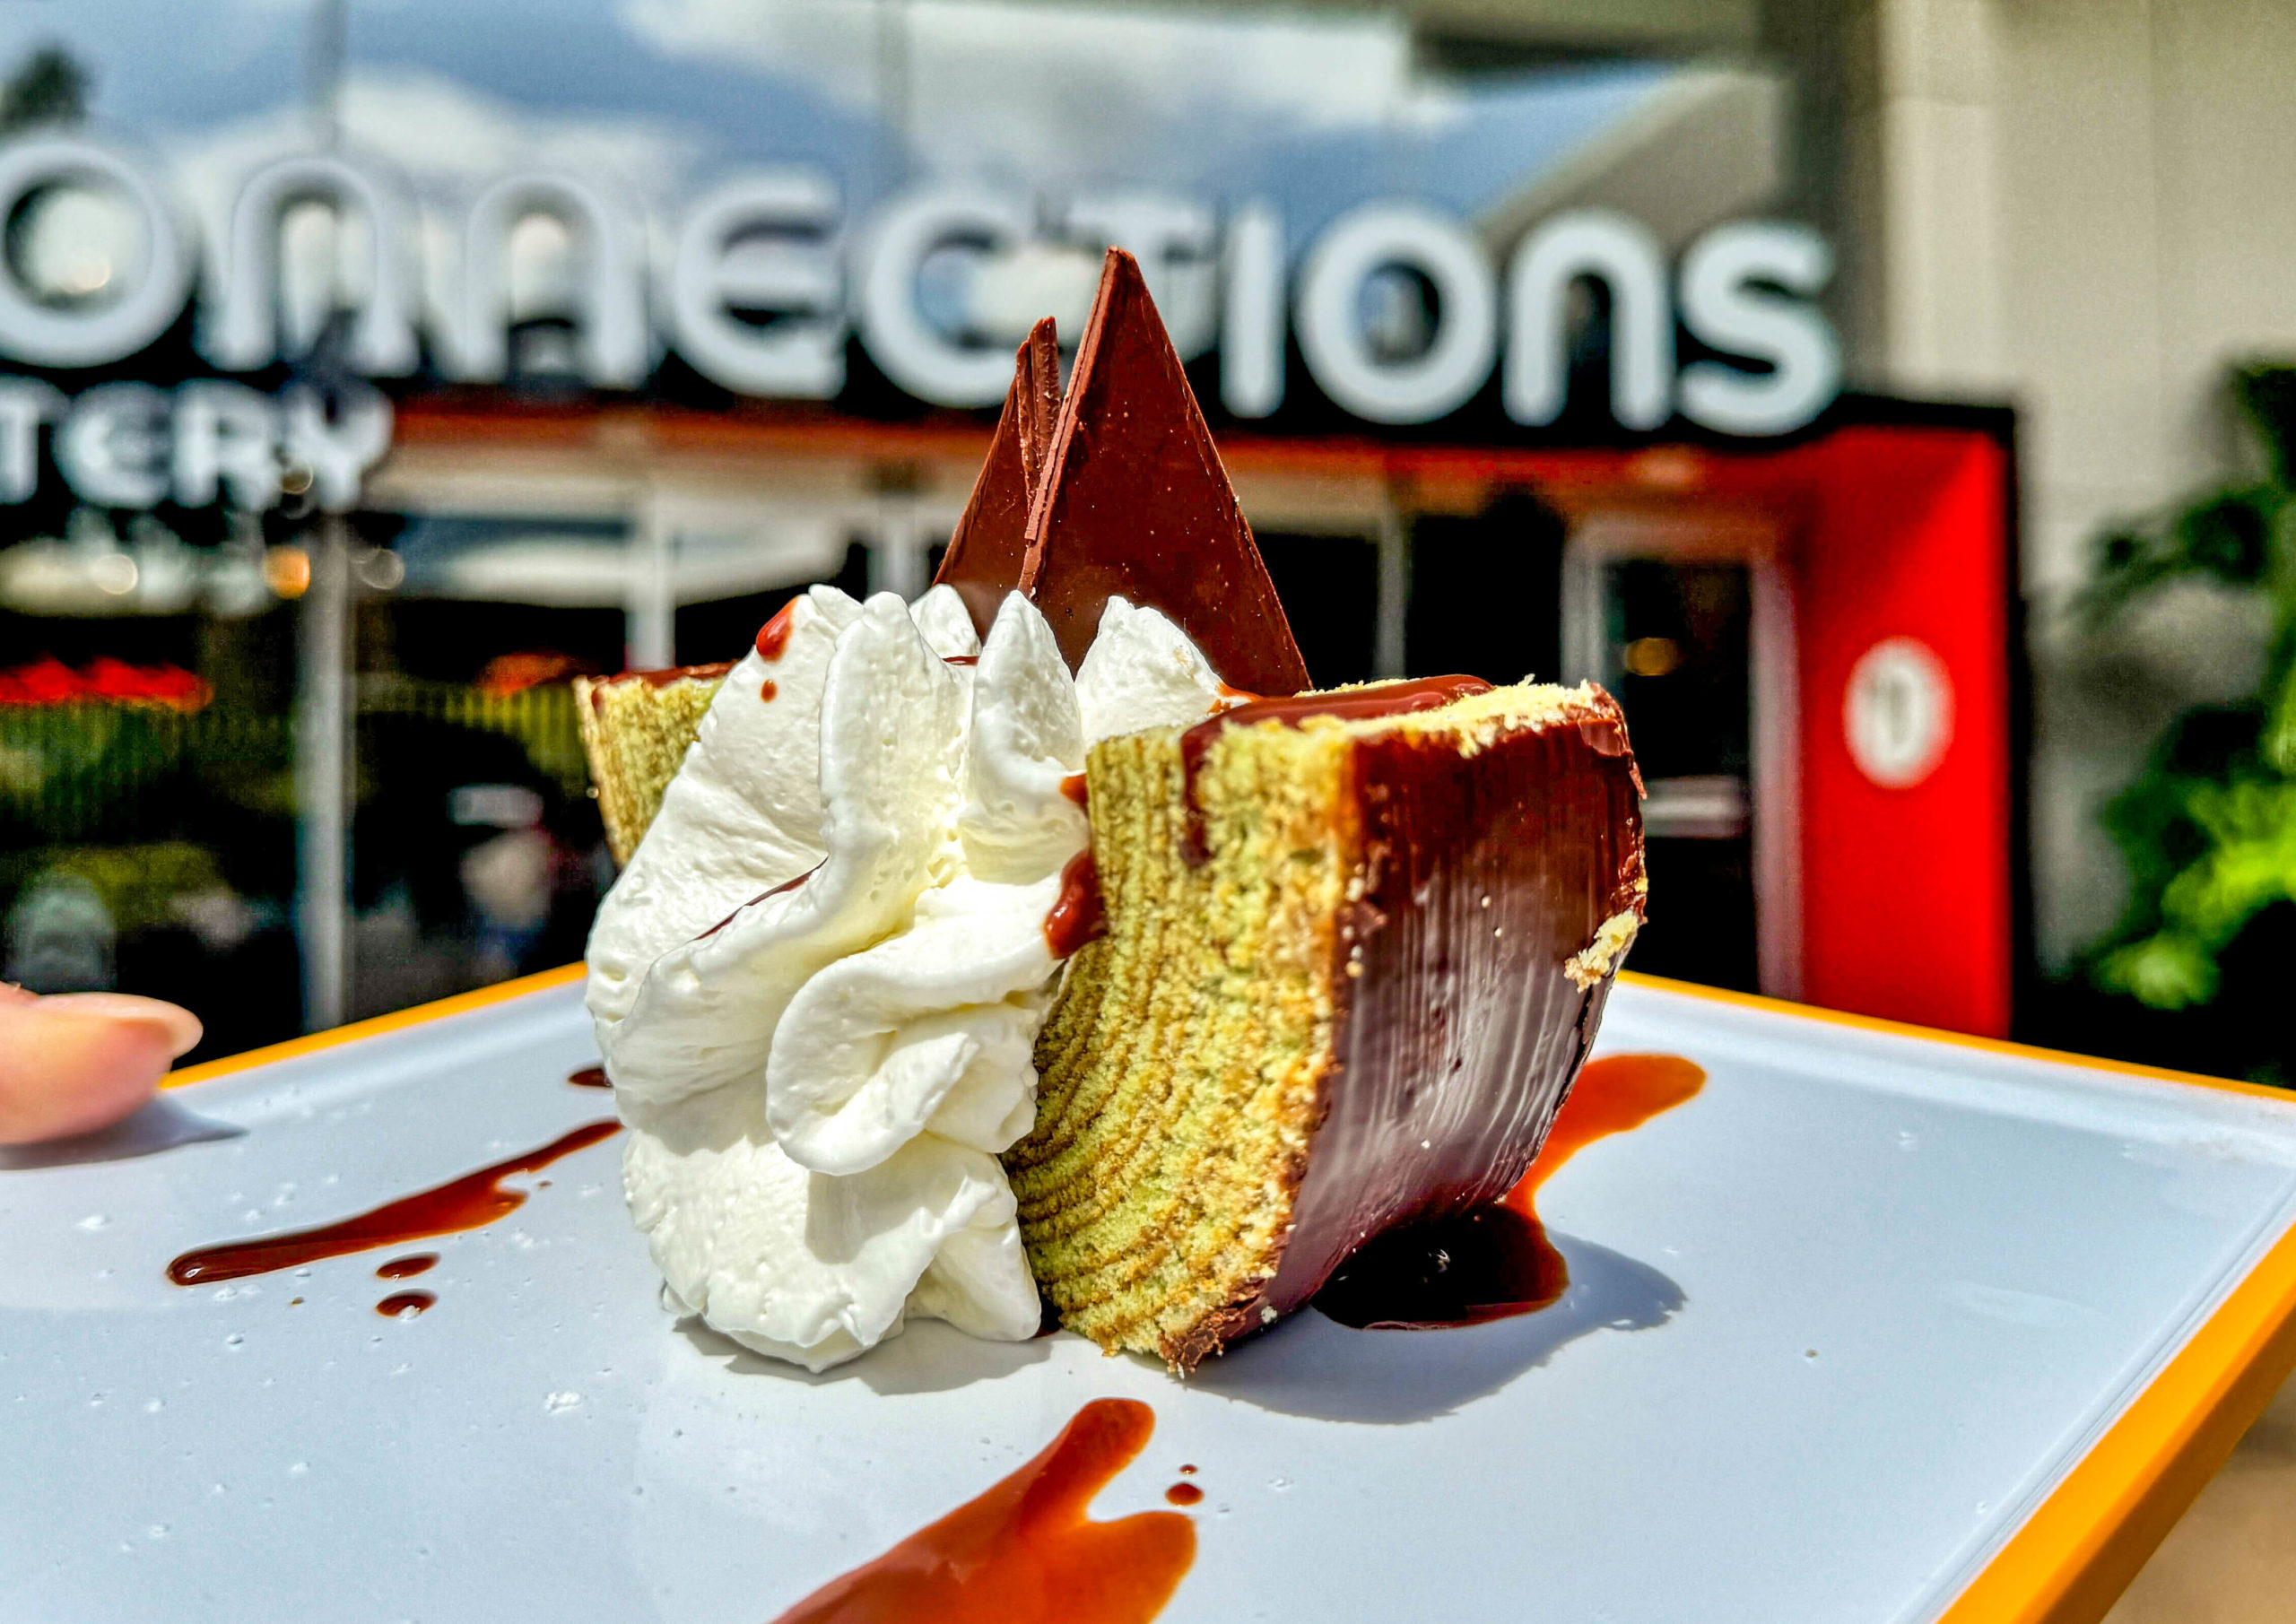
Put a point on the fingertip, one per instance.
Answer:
(179, 1028)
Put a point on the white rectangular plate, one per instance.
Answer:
(1835, 1328)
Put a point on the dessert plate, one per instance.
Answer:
(1878, 1326)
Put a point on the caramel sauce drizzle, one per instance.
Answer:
(786, 885)
(1025, 1552)
(773, 637)
(468, 1202)
(1077, 915)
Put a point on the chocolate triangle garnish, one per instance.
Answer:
(990, 544)
(1037, 376)
(1134, 502)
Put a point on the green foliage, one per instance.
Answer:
(97, 772)
(2209, 829)
(139, 884)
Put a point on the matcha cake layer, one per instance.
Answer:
(1357, 945)
(636, 729)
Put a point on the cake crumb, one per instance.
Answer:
(1599, 957)
(1267, 1315)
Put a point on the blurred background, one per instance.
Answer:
(1883, 398)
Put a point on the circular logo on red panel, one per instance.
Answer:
(1898, 714)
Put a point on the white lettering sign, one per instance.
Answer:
(950, 370)
(42, 334)
(130, 445)
(244, 332)
(609, 296)
(1252, 314)
(755, 294)
(1599, 246)
(1725, 305)
(1398, 310)
(1458, 354)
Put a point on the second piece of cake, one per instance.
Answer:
(1359, 942)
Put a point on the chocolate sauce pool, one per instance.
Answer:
(1494, 1261)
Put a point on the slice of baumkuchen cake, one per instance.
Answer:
(1358, 944)
(636, 729)
(1357, 941)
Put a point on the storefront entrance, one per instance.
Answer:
(1813, 644)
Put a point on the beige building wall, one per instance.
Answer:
(2087, 207)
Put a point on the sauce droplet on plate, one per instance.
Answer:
(767, 690)
(406, 1304)
(467, 1203)
(1495, 1261)
(590, 1077)
(407, 1267)
(1184, 1494)
(1025, 1552)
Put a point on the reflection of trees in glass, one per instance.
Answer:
(2210, 828)
(50, 88)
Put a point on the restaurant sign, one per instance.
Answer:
(765, 279)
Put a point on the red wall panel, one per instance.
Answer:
(1906, 890)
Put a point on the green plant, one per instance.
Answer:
(2209, 829)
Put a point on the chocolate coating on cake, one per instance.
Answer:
(1379, 699)
(714, 671)
(1483, 876)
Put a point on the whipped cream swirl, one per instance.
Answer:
(818, 985)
